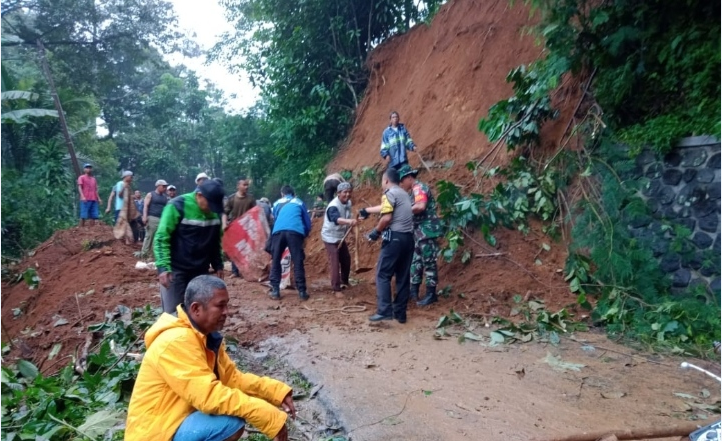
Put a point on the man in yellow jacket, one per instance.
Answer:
(189, 389)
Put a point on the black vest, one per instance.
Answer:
(157, 203)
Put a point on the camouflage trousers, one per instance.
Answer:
(424, 262)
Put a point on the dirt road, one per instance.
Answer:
(396, 381)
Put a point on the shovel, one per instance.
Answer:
(355, 251)
(424, 164)
(358, 270)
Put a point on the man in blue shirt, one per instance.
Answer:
(292, 225)
(117, 194)
(395, 141)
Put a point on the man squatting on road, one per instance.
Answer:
(427, 230)
(395, 141)
(188, 240)
(336, 222)
(396, 228)
(189, 389)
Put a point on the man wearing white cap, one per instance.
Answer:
(201, 178)
(155, 201)
(117, 194)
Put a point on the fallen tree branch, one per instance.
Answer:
(344, 310)
(137, 339)
(51, 365)
(92, 314)
(634, 434)
(529, 273)
(489, 254)
(81, 361)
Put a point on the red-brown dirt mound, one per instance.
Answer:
(84, 272)
(520, 265)
(442, 78)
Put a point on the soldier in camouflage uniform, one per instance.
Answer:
(427, 229)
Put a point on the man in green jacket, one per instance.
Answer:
(188, 241)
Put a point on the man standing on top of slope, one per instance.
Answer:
(395, 141)
(89, 197)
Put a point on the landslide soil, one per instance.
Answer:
(389, 381)
(442, 78)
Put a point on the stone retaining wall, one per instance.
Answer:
(683, 187)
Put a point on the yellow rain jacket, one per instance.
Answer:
(181, 374)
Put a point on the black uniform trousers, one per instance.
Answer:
(173, 296)
(394, 261)
(294, 242)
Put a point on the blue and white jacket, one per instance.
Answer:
(290, 214)
(395, 142)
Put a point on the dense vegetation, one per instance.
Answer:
(651, 71)
(651, 68)
(107, 61)
(309, 59)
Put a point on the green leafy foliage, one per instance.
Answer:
(70, 405)
(536, 324)
(38, 201)
(522, 193)
(518, 120)
(653, 75)
(657, 64)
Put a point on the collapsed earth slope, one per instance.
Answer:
(442, 78)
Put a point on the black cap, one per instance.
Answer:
(213, 192)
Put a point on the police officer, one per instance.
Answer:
(396, 228)
(427, 229)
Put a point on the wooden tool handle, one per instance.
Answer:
(344, 237)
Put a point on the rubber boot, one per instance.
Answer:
(430, 298)
(414, 292)
(275, 293)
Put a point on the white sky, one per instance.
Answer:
(207, 20)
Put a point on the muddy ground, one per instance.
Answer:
(388, 381)
(396, 381)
